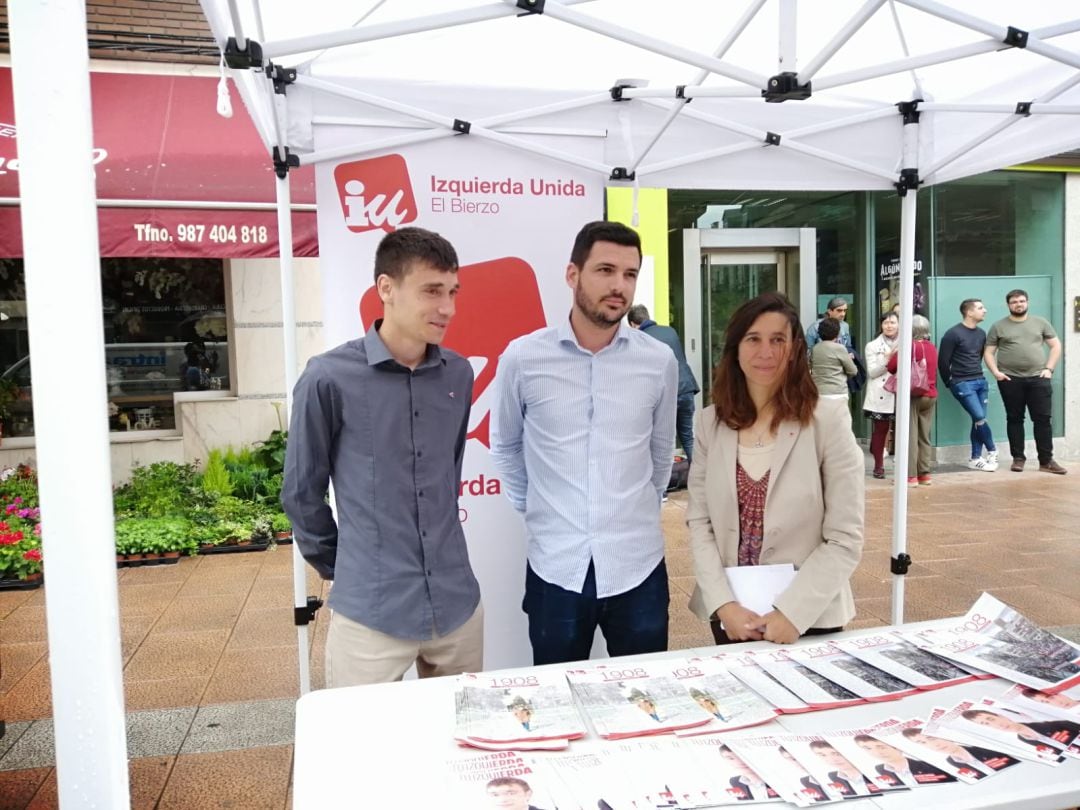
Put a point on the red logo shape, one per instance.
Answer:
(499, 301)
(375, 193)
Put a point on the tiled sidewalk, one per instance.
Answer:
(210, 650)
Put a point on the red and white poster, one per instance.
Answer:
(512, 218)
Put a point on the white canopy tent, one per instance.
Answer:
(867, 94)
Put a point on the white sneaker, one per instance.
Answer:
(991, 461)
(977, 464)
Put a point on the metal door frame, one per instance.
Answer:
(697, 242)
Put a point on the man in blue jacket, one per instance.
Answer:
(638, 318)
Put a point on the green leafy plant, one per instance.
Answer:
(279, 522)
(271, 452)
(154, 536)
(164, 489)
(19, 487)
(216, 478)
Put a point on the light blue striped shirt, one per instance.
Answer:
(584, 445)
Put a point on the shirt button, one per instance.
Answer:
(420, 494)
(423, 533)
(428, 572)
(419, 453)
(416, 413)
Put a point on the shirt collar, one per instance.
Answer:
(377, 352)
(566, 334)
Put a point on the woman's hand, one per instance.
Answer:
(778, 629)
(740, 624)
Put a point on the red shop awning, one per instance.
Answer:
(173, 177)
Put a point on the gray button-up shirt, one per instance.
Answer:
(392, 440)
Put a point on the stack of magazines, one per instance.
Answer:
(963, 744)
(515, 709)
(996, 639)
(635, 700)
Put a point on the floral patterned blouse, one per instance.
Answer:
(751, 495)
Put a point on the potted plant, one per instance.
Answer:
(20, 553)
(153, 540)
(281, 526)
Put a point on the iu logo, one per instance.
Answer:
(375, 193)
(500, 301)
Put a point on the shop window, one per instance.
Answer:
(165, 332)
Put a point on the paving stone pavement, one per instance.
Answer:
(209, 648)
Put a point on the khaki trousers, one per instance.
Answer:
(920, 451)
(357, 655)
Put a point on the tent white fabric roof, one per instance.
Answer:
(860, 57)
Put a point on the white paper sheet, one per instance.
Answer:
(757, 586)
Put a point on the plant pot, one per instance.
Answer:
(283, 538)
(31, 582)
(249, 545)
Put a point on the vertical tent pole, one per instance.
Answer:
(288, 331)
(51, 83)
(903, 366)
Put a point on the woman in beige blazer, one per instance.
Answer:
(777, 478)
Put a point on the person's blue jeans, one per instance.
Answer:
(973, 396)
(684, 424)
(562, 623)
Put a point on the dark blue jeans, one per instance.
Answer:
(973, 396)
(684, 424)
(562, 623)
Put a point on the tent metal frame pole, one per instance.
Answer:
(288, 333)
(977, 24)
(689, 91)
(238, 25)
(702, 75)
(647, 43)
(908, 210)
(787, 44)
(903, 65)
(354, 150)
(1037, 108)
(333, 89)
(1035, 43)
(440, 120)
(51, 92)
(384, 123)
(546, 109)
(841, 38)
(1001, 126)
(758, 140)
(398, 28)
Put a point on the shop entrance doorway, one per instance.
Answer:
(722, 268)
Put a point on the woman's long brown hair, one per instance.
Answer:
(797, 395)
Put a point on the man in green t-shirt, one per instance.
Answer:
(1016, 355)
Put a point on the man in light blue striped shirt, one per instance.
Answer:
(583, 430)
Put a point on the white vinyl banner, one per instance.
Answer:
(512, 218)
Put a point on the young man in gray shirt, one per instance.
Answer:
(385, 418)
(1016, 355)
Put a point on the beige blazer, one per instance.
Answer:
(814, 515)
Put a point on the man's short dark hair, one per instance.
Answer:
(398, 249)
(506, 781)
(967, 305)
(602, 231)
(1011, 294)
(828, 329)
(638, 314)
